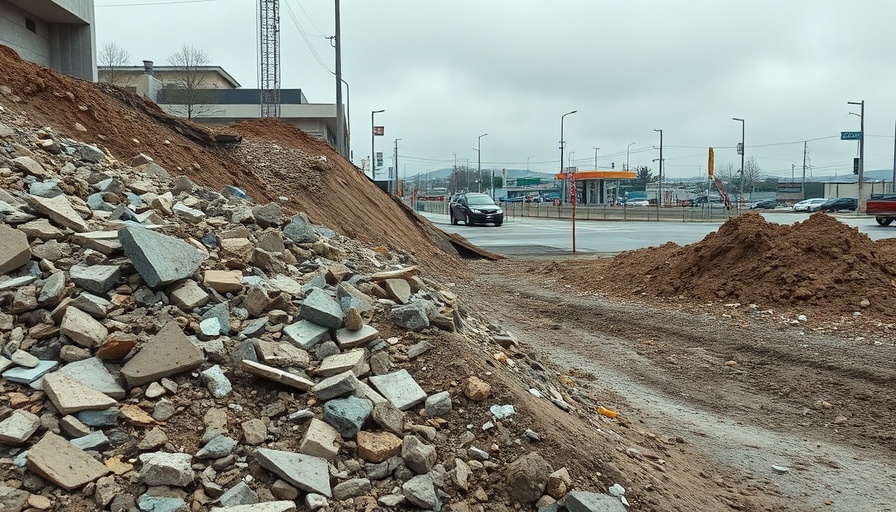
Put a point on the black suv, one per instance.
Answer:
(839, 203)
(475, 208)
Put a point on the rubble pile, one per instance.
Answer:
(166, 347)
(819, 263)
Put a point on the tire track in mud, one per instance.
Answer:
(777, 406)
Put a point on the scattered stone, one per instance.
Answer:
(254, 431)
(59, 210)
(188, 296)
(82, 328)
(320, 440)
(14, 251)
(62, 463)
(92, 372)
(224, 281)
(97, 279)
(305, 334)
(418, 456)
(351, 488)
(348, 415)
(70, 395)
(321, 309)
(350, 339)
(476, 389)
(18, 427)
(421, 492)
(438, 404)
(352, 361)
(268, 506)
(159, 259)
(168, 353)
(216, 382)
(219, 446)
(336, 386)
(399, 388)
(162, 468)
(581, 501)
(308, 473)
(413, 316)
(527, 477)
(276, 375)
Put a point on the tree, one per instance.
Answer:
(728, 175)
(189, 87)
(645, 176)
(752, 174)
(111, 56)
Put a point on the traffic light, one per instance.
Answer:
(855, 166)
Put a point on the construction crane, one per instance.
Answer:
(269, 57)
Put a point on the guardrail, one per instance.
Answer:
(710, 213)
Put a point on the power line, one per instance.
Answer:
(159, 2)
(292, 16)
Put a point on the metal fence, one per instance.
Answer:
(709, 213)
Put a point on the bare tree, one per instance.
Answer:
(752, 174)
(112, 57)
(728, 174)
(189, 87)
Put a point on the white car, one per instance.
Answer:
(637, 202)
(809, 205)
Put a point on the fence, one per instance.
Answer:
(709, 213)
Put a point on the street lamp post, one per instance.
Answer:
(630, 144)
(562, 142)
(659, 196)
(861, 206)
(479, 162)
(741, 150)
(595, 156)
(372, 138)
(348, 123)
(527, 164)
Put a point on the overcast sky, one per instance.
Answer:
(447, 71)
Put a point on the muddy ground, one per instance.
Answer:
(738, 411)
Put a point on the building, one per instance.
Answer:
(58, 34)
(216, 98)
(596, 187)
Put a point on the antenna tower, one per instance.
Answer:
(269, 57)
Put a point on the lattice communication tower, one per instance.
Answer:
(269, 58)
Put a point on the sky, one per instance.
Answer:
(448, 71)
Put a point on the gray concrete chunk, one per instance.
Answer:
(18, 427)
(64, 464)
(58, 210)
(321, 309)
(97, 279)
(336, 386)
(70, 395)
(399, 388)
(308, 473)
(581, 501)
(162, 468)
(305, 334)
(168, 353)
(349, 339)
(93, 373)
(14, 251)
(160, 259)
(82, 328)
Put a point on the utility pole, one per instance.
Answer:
(659, 197)
(395, 164)
(861, 208)
(595, 156)
(742, 149)
(805, 151)
(893, 184)
(340, 118)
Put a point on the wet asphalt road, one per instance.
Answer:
(520, 236)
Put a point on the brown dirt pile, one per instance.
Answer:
(820, 262)
(274, 159)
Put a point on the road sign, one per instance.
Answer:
(855, 166)
(379, 131)
(850, 135)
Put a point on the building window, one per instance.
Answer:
(30, 25)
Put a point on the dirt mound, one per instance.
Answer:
(305, 170)
(820, 262)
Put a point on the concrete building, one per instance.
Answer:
(58, 34)
(219, 99)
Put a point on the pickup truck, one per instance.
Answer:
(882, 207)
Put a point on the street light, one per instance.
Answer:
(562, 142)
(860, 207)
(527, 163)
(741, 150)
(595, 156)
(659, 197)
(626, 154)
(372, 137)
(479, 156)
(348, 124)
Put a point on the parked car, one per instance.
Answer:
(809, 205)
(517, 199)
(637, 202)
(764, 204)
(475, 208)
(840, 203)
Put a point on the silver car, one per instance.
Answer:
(809, 205)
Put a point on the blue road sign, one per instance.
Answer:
(850, 135)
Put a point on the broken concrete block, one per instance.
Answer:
(159, 259)
(14, 251)
(64, 464)
(70, 395)
(168, 353)
(82, 328)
